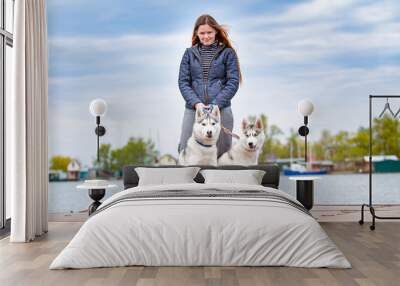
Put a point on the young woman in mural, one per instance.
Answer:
(209, 74)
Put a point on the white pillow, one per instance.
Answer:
(165, 176)
(249, 177)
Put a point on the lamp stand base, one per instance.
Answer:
(96, 195)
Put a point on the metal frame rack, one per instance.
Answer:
(370, 205)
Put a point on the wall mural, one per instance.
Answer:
(176, 87)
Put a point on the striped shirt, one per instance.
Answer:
(207, 54)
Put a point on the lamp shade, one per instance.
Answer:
(305, 107)
(98, 107)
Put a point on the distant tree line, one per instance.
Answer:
(59, 163)
(337, 147)
(136, 151)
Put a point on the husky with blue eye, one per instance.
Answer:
(201, 148)
(247, 150)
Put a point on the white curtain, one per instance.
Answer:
(28, 161)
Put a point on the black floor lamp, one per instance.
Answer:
(98, 108)
(305, 108)
(96, 188)
(305, 184)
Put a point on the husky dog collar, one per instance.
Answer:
(204, 145)
(208, 109)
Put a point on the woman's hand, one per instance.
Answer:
(199, 105)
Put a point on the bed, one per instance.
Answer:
(201, 224)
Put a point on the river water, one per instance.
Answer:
(335, 189)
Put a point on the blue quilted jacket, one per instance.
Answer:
(223, 78)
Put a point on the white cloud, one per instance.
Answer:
(381, 11)
(311, 42)
(307, 11)
(311, 10)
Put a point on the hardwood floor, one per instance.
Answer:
(374, 255)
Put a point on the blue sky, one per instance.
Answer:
(334, 53)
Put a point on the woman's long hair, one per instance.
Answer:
(221, 36)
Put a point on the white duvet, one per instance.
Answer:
(200, 231)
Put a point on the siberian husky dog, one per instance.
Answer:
(201, 148)
(247, 149)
